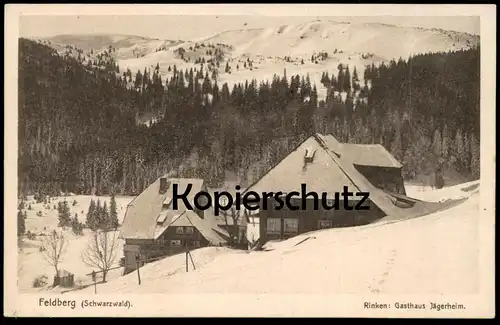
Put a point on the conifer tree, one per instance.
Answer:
(105, 219)
(341, 80)
(475, 156)
(92, 216)
(437, 149)
(64, 214)
(355, 80)
(113, 215)
(347, 80)
(76, 226)
(138, 79)
(355, 77)
(99, 214)
(21, 223)
(322, 80)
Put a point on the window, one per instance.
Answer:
(166, 202)
(322, 224)
(179, 230)
(273, 226)
(291, 225)
(189, 230)
(175, 243)
(195, 243)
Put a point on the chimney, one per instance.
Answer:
(163, 185)
(309, 156)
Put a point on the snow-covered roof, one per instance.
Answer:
(142, 213)
(332, 169)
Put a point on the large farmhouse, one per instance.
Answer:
(326, 165)
(152, 228)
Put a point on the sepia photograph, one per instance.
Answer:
(198, 152)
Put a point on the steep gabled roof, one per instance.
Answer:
(362, 154)
(369, 155)
(322, 175)
(383, 200)
(182, 183)
(206, 228)
(329, 172)
(144, 210)
(188, 218)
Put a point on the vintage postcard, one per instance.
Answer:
(250, 160)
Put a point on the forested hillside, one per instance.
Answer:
(78, 127)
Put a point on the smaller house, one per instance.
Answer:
(153, 229)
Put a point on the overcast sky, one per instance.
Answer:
(194, 26)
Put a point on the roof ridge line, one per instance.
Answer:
(325, 148)
(189, 219)
(175, 219)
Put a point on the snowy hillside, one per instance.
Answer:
(102, 42)
(42, 219)
(384, 41)
(432, 254)
(309, 48)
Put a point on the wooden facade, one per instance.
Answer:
(386, 178)
(173, 241)
(286, 223)
(152, 228)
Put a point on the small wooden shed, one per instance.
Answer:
(64, 278)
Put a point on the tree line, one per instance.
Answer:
(78, 129)
(99, 217)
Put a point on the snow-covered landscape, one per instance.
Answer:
(40, 221)
(115, 122)
(298, 49)
(436, 253)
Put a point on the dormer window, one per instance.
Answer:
(166, 202)
(161, 219)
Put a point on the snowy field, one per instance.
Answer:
(437, 253)
(31, 263)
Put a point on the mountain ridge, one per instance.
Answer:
(261, 28)
(311, 47)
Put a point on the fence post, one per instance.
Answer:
(137, 260)
(187, 265)
(191, 257)
(94, 278)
